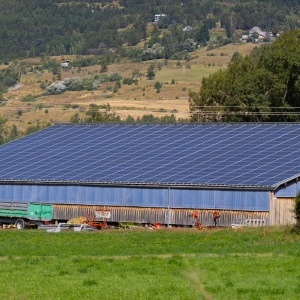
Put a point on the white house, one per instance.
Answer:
(262, 34)
(187, 28)
(158, 16)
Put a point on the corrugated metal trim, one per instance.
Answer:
(246, 200)
(278, 184)
(153, 215)
(136, 184)
(289, 189)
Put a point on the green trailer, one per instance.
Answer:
(25, 214)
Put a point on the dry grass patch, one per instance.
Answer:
(135, 100)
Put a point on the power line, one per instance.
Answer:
(241, 107)
(234, 113)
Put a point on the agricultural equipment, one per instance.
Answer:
(24, 215)
(93, 218)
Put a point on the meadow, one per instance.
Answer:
(249, 263)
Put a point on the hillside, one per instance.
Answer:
(37, 27)
(118, 62)
(27, 103)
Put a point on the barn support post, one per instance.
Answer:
(169, 209)
(272, 209)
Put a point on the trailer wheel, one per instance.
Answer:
(20, 224)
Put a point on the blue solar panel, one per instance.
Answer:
(253, 154)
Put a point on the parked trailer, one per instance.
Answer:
(24, 215)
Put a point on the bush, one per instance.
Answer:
(157, 86)
(115, 77)
(129, 80)
(43, 86)
(73, 84)
(56, 88)
(297, 211)
(28, 98)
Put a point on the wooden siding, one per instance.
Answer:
(283, 211)
(166, 216)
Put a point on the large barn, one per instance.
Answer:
(162, 173)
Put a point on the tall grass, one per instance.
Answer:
(260, 263)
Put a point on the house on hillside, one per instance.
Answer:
(244, 38)
(187, 28)
(261, 34)
(65, 63)
(255, 35)
(158, 16)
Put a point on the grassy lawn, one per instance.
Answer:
(252, 263)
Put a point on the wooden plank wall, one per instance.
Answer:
(161, 215)
(283, 211)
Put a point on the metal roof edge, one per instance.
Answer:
(278, 184)
(176, 123)
(138, 184)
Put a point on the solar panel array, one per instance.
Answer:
(242, 154)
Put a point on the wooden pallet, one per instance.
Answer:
(249, 222)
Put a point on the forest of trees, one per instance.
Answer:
(263, 86)
(54, 27)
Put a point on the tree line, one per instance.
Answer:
(263, 86)
(105, 113)
(53, 27)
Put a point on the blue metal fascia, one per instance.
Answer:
(141, 184)
(137, 196)
(221, 199)
(285, 182)
(288, 190)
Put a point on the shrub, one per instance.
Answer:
(157, 86)
(297, 211)
(28, 98)
(129, 80)
(115, 77)
(56, 88)
(73, 83)
(43, 86)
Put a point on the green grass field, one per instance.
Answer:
(251, 263)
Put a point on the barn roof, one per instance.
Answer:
(234, 155)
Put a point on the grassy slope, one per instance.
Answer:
(253, 263)
(134, 100)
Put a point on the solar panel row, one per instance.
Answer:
(231, 154)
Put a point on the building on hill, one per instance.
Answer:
(261, 34)
(158, 16)
(162, 173)
(187, 28)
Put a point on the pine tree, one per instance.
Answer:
(203, 35)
